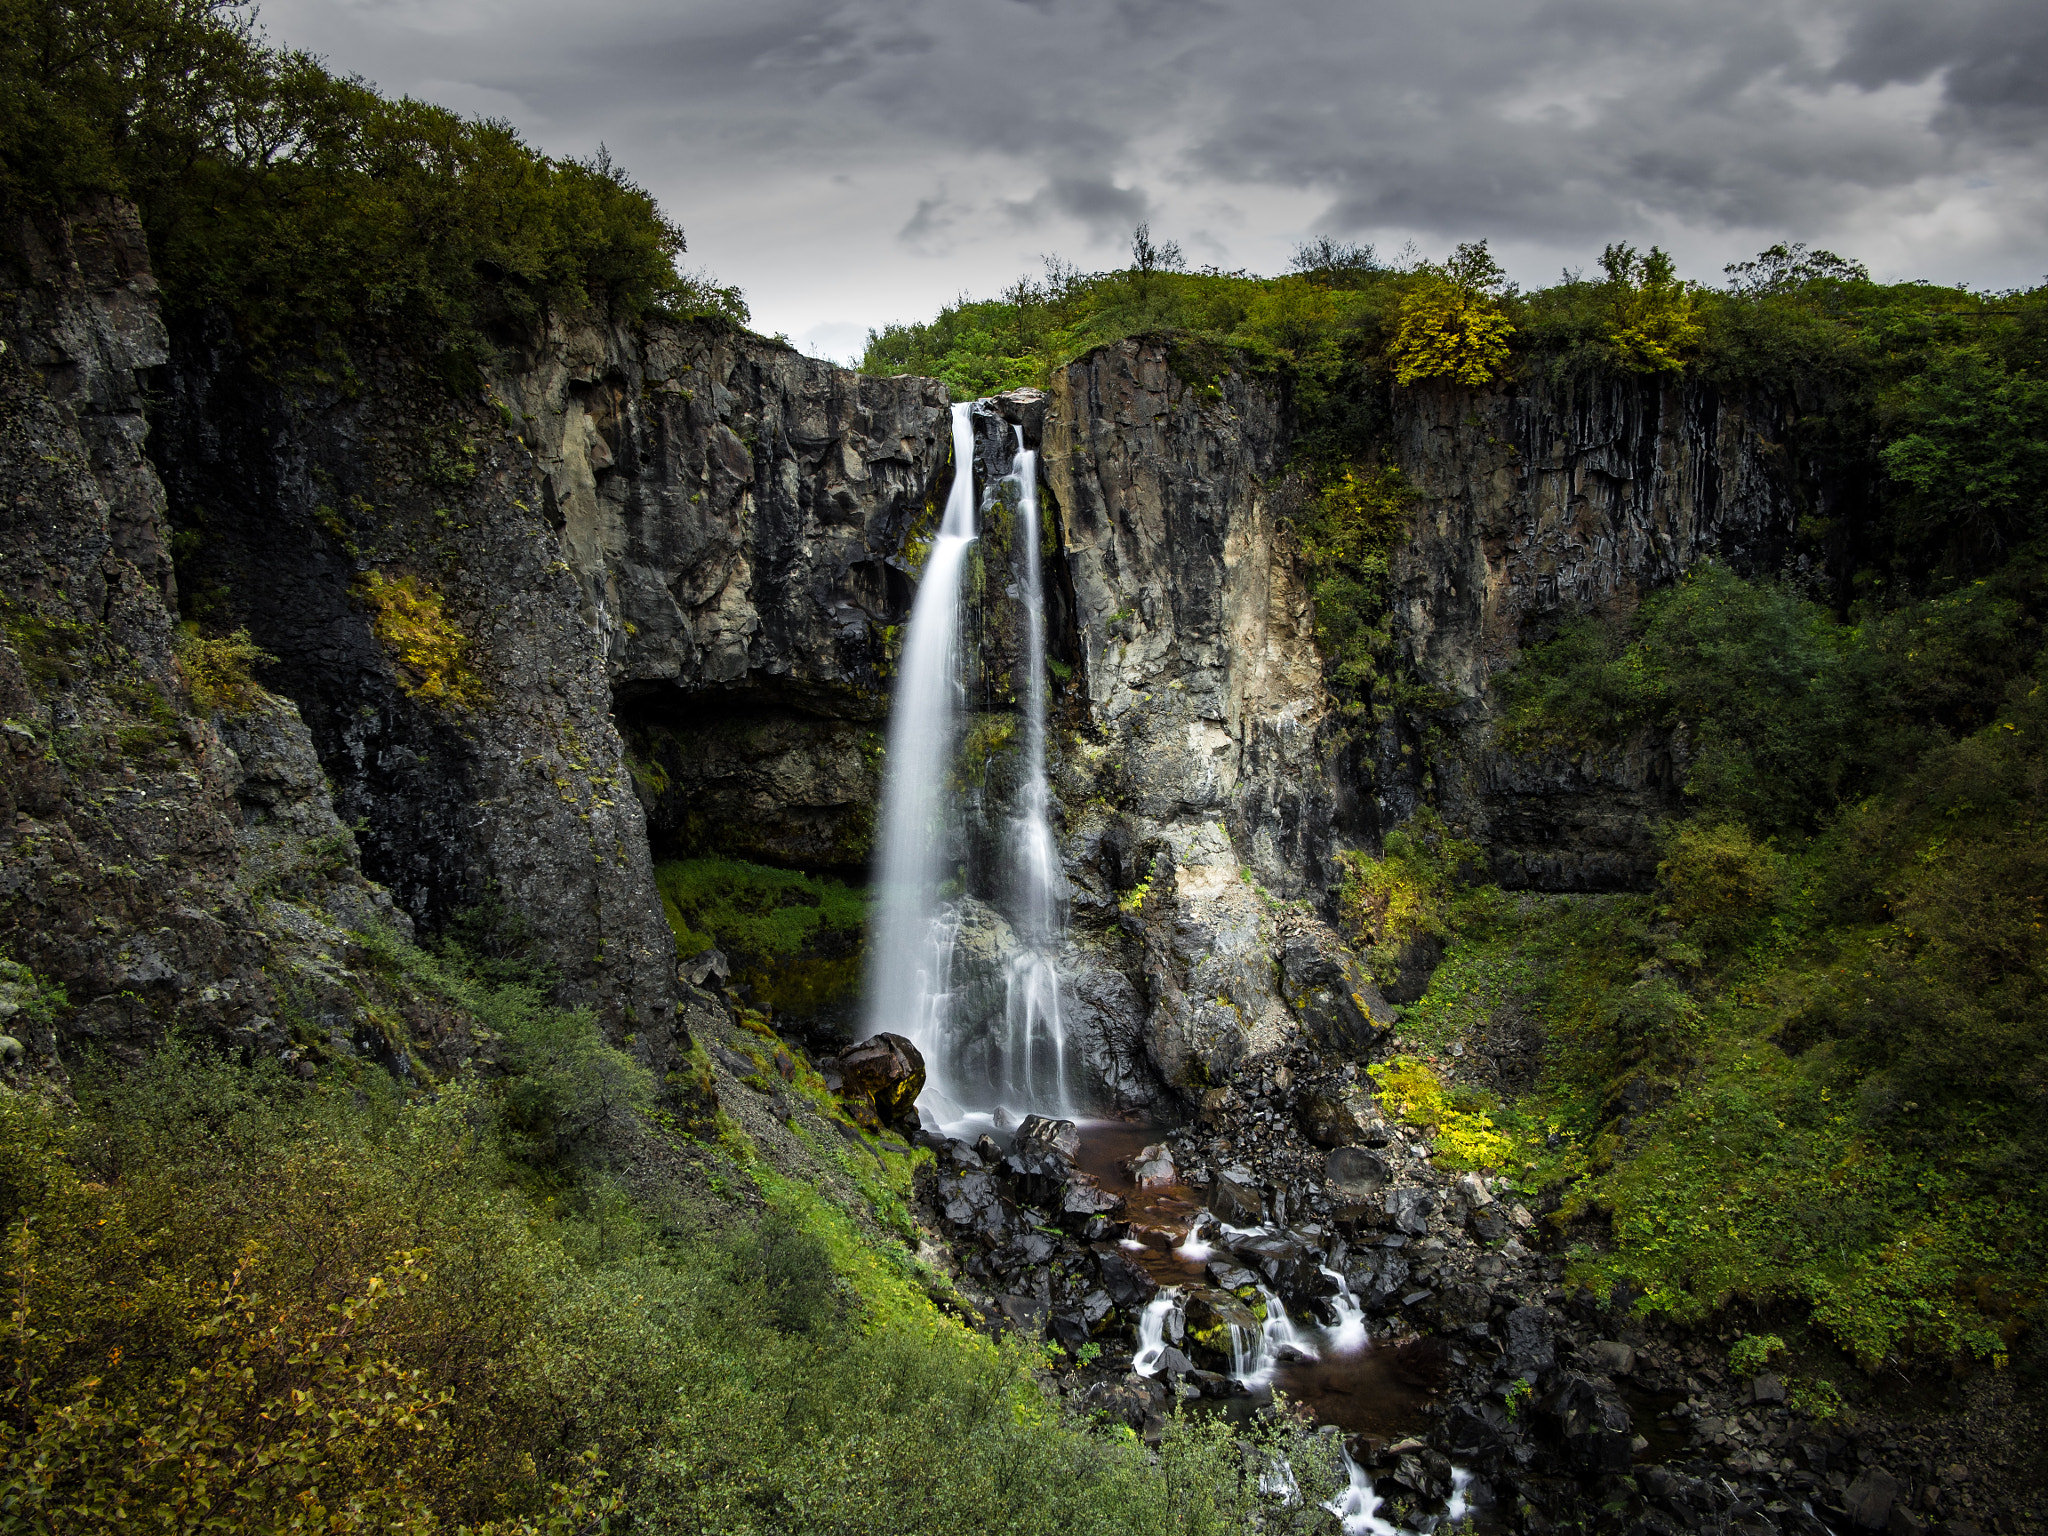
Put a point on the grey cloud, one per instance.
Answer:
(1558, 124)
(1096, 202)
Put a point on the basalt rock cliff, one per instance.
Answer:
(668, 565)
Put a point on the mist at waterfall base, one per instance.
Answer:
(1018, 1064)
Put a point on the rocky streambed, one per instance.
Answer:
(1288, 1243)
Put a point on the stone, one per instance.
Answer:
(1026, 1314)
(886, 1070)
(1231, 1276)
(1594, 1426)
(706, 968)
(1355, 1171)
(1122, 1279)
(1062, 1137)
(1408, 1209)
(1211, 1317)
(1610, 1357)
(1487, 1226)
(1084, 1198)
(1529, 1348)
(1237, 1203)
(1767, 1389)
(1473, 1188)
(1151, 1168)
(1868, 1501)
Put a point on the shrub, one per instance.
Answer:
(1347, 532)
(1465, 1133)
(1720, 881)
(1753, 1353)
(219, 672)
(1390, 902)
(1450, 322)
(428, 649)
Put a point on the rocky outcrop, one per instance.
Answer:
(1535, 503)
(159, 863)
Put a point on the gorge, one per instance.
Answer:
(681, 937)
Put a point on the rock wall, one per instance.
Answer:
(159, 864)
(1532, 504)
(1200, 790)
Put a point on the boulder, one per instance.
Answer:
(1061, 1137)
(1529, 1348)
(1408, 1210)
(1290, 1265)
(884, 1072)
(1211, 1317)
(1594, 1426)
(1236, 1200)
(1355, 1171)
(1122, 1280)
(1473, 1189)
(1610, 1357)
(1869, 1499)
(1084, 1198)
(1487, 1226)
(1152, 1168)
(1768, 1389)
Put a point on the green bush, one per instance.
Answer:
(302, 203)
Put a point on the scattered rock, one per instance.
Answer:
(886, 1071)
(1355, 1171)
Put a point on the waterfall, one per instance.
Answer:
(976, 1063)
(1152, 1331)
(908, 957)
(1035, 1041)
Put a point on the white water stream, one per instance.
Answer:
(909, 956)
(973, 1065)
(1034, 1055)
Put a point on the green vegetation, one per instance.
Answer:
(1390, 903)
(1809, 1070)
(428, 650)
(219, 671)
(526, 1301)
(1459, 1122)
(794, 940)
(304, 204)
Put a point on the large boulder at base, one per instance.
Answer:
(1038, 1134)
(884, 1071)
(1355, 1171)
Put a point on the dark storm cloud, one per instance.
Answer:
(870, 132)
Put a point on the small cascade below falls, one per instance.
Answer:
(1034, 1053)
(909, 956)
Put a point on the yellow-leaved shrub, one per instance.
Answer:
(411, 621)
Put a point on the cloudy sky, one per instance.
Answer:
(851, 162)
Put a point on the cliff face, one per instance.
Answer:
(158, 864)
(639, 596)
(1533, 505)
(679, 536)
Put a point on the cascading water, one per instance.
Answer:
(1035, 1040)
(908, 960)
(972, 1065)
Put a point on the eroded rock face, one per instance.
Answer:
(1534, 504)
(156, 861)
